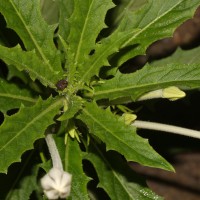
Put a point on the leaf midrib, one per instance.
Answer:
(14, 97)
(140, 86)
(100, 124)
(82, 33)
(38, 76)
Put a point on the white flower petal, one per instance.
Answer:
(56, 183)
(47, 182)
(52, 194)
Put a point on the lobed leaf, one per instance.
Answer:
(19, 131)
(12, 96)
(107, 47)
(148, 79)
(121, 137)
(103, 50)
(137, 31)
(29, 62)
(25, 18)
(73, 164)
(86, 22)
(118, 180)
(156, 20)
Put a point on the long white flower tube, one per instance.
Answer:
(56, 183)
(166, 128)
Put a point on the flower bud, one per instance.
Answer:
(173, 93)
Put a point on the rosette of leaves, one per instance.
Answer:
(65, 73)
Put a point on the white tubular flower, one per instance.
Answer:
(152, 95)
(56, 184)
(172, 93)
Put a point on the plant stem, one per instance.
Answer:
(55, 156)
(166, 128)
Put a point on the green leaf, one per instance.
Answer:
(26, 19)
(29, 62)
(14, 72)
(66, 10)
(120, 137)
(156, 20)
(12, 96)
(50, 10)
(19, 131)
(86, 22)
(148, 79)
(103, 50)
(180, 56)
(28, 184)
(120, 10)
(118, 180)
(73, 164)
(138, 31)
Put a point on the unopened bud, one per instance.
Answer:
(129, 118)
(173, 93)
